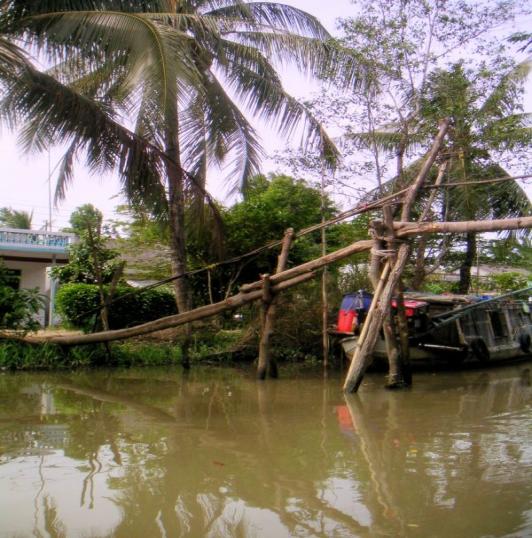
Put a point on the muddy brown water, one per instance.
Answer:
(148, 453)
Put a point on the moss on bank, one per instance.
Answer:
(22, 356)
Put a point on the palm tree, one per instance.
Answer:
(181, 70)
(15, 219)
(63, 113)
(481, 126)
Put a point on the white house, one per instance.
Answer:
(29, 254)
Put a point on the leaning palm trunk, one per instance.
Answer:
(176, 207)
(467, 263)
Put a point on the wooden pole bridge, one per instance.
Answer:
(265, 290)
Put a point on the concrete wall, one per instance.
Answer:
(33, 274)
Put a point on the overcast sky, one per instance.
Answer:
(24, 178)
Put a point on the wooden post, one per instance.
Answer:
(396, 329)
(381, 304)
(369, 333)
(266, 363)
(324, 275)
(375, 263)
(378, 232)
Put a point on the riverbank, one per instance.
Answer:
(22, 356)
(159, 350)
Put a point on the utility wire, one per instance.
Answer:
(357, 210)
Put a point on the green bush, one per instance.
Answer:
(78, 306)
(505, 282)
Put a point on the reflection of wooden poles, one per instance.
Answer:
(381, 308)
(373, 454)
(267, 363)
(101, 395)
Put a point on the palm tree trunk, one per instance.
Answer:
(176, 207)
(419, 267)
(465, 268)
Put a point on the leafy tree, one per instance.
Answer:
(161, 63)
(138, 227)
(398, 44)
(514, 251)
(410, 88)
(486, 121)
(270, 206)
(506, 282)
(15, 219)
(89, 257)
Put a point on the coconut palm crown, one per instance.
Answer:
(179, 73)
(13, 218)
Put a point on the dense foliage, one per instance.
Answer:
(270, 206)
(23, 356)
(78, 304)
(90, 260)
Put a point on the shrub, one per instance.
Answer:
(506, 282)
(23, 356)
(18, 307)
(78, 305)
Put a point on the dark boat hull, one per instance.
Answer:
(497, 331)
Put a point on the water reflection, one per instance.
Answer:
(213, 453)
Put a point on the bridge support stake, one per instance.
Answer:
(267, 365)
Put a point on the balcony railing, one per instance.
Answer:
(16, 239)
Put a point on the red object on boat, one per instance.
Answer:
(352, 305)
(411, 306)
(346, 321)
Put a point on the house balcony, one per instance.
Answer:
(34, 244)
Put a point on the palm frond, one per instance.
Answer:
(508, 132)
(488, 201)
(501, 101)
(256, 84)
(151, 51)
(52, 113)
(12, 59)
(13, 218)
(387, 141)
(276, 17)
(66, 171)
(214, 128)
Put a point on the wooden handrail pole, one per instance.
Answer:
(266, 363)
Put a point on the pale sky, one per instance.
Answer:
(24, 178)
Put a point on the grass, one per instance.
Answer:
(22, 356)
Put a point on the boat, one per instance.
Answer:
(451, 328)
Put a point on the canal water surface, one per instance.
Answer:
(148, 453)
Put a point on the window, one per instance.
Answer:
(498, 324)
